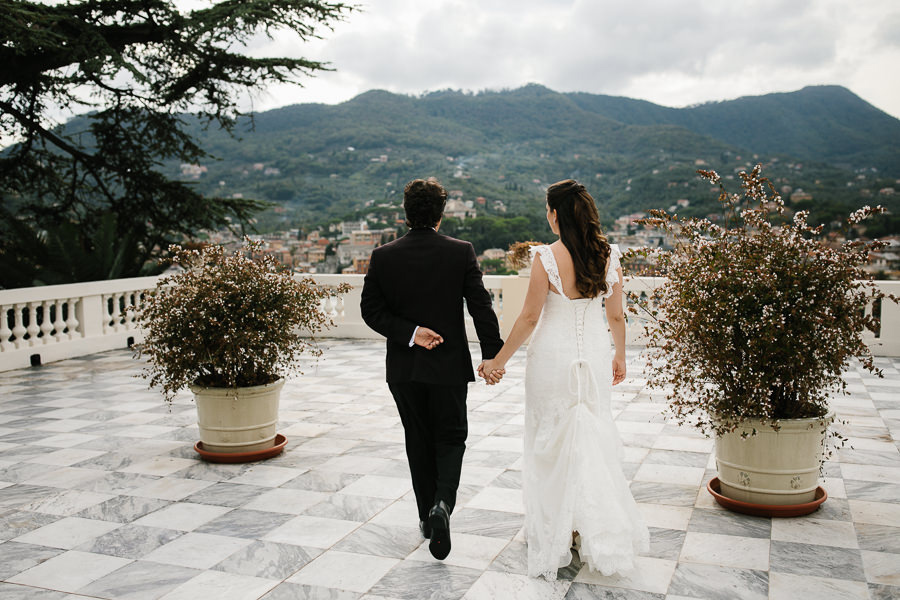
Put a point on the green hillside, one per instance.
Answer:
(326, 162)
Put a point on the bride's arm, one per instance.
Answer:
(538, 286)
(615, 316)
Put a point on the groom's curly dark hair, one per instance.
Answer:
(424, 201)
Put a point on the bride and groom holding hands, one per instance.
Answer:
(575, 493)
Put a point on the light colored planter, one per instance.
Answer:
(238, 420)
(773, 467)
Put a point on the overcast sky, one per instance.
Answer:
(669, 52)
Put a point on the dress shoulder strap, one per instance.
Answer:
(549, 263)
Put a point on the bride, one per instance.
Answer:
(574, 489)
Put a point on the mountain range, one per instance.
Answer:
(324, 162)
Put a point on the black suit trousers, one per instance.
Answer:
(434, 420)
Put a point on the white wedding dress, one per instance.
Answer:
(572, 473)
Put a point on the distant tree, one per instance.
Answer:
(140, 66)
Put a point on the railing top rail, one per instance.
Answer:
(75, 290)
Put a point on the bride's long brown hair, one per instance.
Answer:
(580, 233)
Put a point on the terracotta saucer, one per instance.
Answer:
(766, 510)
(242, 457)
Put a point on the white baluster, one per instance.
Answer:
(46, 324)
(5, 331)
(59, 325)
(72, 322)
(130, 301)
(340, 308)
(32, 329)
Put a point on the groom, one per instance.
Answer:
(413, 295)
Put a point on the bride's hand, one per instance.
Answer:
(618, 368)
(491, 371)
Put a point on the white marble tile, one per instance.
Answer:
(640, 427)
(70, 571)
(470, 551)
(691, 444)
(881, 567)
(726, 550)
(308, 430)
(834, 487)
(66, 440)
(159, 466)
(806, 530)
(503, 499)
(344, 571)
(323, 445)
(197, 550)
(66, 477)
(66, 457)
(221, 586)
(784, 586)
(355, 463)
(170, 488)
(649, 575)
(402, 513)
(378, 486)
(495, 585)
(312, 531)
(870, 473)
(499, 444)
(284, 500)
(633, 454)
(479, 475)
(876, 513)
(669, 474)
(665, 516)
(265, 476)
(67, 533)
(183, 516)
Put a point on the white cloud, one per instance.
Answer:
(665, 51)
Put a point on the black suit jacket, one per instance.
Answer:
(422, 279)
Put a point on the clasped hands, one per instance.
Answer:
(489, 370)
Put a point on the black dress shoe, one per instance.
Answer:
(425, 528)
(439, 523)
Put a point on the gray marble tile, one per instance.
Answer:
(268, 560)
(883, 592)
(11, 591)
(140, 580)
(879, 538)
(439, 581)
(247, 524)
(664, 493)
(130, 541)
(729, 523)
(570, 571)
(322, 481)
(227, 494)
(677, 457)
(116, 482)
(586, 591)
(665, 543)
(348, 507)
(872, 491)
(16, 557)
(24, 471)
(513, 559)
(834, 509)
(21, 494)
(496, 460)
(14, 523)
(490, 523)
(816, 561)
(714, 582)
(870, 457)
(380, 450)
(123, 509)
(382, 540)
(294, 591)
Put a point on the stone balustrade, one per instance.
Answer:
(44, 324)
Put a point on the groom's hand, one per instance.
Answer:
(490, 373)
(427, 338)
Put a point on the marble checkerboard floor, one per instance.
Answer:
(102, 496)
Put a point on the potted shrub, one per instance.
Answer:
(750, 332)
(231, 326)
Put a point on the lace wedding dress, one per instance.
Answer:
(572, 473)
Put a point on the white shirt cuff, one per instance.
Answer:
(412, 340)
